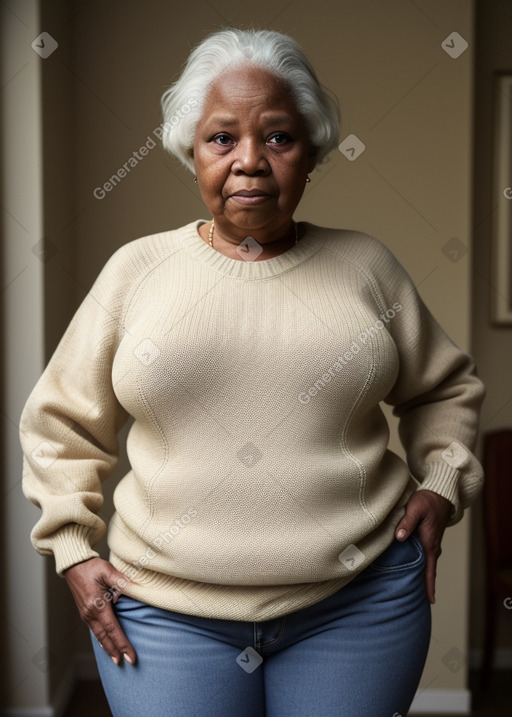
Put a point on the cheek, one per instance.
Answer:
(289, 166)
(206, 164)
(212, 180)
(292, 178)
(211, 185)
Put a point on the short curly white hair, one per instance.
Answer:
(279, 54)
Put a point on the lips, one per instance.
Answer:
(250, 193)
(250, 196)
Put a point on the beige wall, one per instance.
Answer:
(400, 93)
(492, 345)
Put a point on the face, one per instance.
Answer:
(251, 154)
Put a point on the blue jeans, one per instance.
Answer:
(359, 652)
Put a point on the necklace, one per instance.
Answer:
(212, 229)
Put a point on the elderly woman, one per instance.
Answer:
(269, 554)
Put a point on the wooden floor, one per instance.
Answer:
(89, 699)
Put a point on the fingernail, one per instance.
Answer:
(127, 658)
(115, 660)
(401, 534)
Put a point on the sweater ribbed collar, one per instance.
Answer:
(309, 243)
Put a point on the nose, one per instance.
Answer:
(250, 158)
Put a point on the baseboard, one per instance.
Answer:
(442, 701)
(82, 668)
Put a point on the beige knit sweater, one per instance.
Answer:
(261, 480)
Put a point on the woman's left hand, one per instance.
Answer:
(427, 513)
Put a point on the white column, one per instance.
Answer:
(22, 301)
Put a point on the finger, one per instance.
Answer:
(409, 522)
(112, 638)
(116, 645)
(107, 645)
(115, 580)
(430, 577)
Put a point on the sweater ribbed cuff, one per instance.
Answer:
(71, 546)
(442, 479)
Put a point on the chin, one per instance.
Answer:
(252, 221)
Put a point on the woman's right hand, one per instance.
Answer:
(96, 585)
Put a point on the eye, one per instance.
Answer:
(280, 138)
(222, 139)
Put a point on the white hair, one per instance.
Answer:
(183, 102)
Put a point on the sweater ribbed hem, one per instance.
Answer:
(247, 602)
(223, 602)
(71, 546)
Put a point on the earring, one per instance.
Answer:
(308, 179)
(195, 180)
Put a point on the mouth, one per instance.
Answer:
(250, 196)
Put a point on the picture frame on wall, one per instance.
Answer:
(501, 285)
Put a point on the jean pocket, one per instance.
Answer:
(400, 555)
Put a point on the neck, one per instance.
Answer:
(249, 248)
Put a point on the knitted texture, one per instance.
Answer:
(261, 481)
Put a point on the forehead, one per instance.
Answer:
(245, 88)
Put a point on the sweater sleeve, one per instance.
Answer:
(437, 395)
(69, 426)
